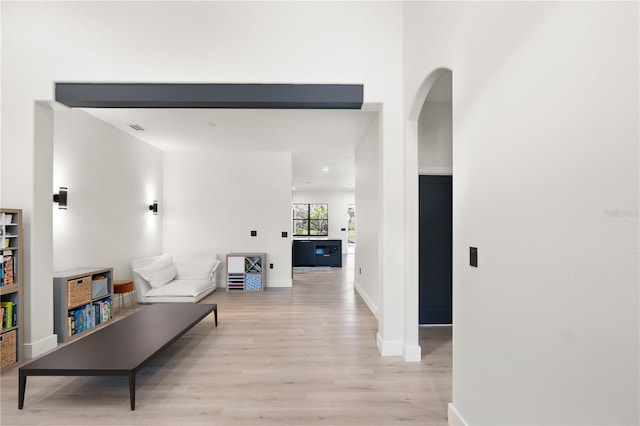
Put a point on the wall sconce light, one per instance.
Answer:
(154, 207)
(61, 198)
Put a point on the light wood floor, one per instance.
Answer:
(298, 356)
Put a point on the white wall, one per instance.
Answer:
(213, 200)
(112, 178)
(545, 159)
(338, 202)
(435, 148)
(435, 152)
(366, 266)
(38, 231)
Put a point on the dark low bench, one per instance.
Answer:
(122, 348)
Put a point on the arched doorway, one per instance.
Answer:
(429, 152)
(435, 169)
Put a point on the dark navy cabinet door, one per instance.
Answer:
(435, 250)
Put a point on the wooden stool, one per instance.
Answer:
(123, 287)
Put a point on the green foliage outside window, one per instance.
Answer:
(351, 211)
(310, 219)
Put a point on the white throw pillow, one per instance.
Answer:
(195, 268)
(159, 273)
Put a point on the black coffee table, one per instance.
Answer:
(121, 348)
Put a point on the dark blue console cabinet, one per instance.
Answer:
(317, 253)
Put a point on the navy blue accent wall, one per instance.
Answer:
(436, 224)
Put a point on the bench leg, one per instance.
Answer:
(21, 388)
(132, 390)
(215, 314)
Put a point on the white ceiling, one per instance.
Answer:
(316, 138)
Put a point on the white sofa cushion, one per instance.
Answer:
(194, 267)
(158, 273)
(187, 288)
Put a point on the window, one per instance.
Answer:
(351, 212)
(310, 219)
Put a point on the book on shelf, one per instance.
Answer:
(7, 316)
(95, 308)
(7, 269)
(104, 308)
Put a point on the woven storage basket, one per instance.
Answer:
(78, 291)
(8, 348)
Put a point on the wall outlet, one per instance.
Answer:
(254, 233)
(271, 266)
(284, 234)
(343, 229)
(359, 271)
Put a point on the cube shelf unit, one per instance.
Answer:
(82, 301)
(11, 286)
(246, 271)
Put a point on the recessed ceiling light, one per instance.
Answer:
(325, 169)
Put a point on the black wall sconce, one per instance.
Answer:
(61, 198)
(154, 207)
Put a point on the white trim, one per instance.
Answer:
(389, 347)
(436, 170)
(32, 350)
(367, 300)
(411, 353)
(435, 325)
(454, 418)
(287, 282)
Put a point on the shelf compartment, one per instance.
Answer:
(253, 282)
(78, 291)
(8, 350)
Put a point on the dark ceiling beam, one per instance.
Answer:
(173, 95)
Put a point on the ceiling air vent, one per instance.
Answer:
(137, 127)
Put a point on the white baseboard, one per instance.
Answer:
(454, 418)
(32, 350)
(389, 347)
(367, 300)
(287, 282)
(411, 353)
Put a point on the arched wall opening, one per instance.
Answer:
(422, 157)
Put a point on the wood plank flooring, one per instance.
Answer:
(299, 356)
